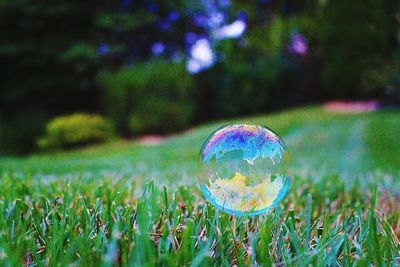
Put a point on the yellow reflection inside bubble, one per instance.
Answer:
(235, 194)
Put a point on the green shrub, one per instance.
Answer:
(240, 84)
(250, 76)
(74, 130)
(154, 96)
(387, 78)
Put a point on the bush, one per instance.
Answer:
(242, 83)
(74, 130)
(387, 78)
(154, 96)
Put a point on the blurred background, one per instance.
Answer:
(77, 72)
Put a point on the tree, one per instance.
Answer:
(353, 42)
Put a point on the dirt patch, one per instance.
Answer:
(351, 106)
(152, 140)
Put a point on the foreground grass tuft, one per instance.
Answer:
(91, 223)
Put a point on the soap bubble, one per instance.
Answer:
(241, 169)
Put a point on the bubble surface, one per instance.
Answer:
(241, 169)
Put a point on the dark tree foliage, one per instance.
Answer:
(35, 76)
(354, 41)
(53, 56)
(36, 80)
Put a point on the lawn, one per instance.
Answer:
(128, 203)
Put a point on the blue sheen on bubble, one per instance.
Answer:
(241, 178)
(254, 141)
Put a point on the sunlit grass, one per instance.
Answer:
(94, 207)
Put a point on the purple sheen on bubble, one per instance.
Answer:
(252, 140)
(237, 183)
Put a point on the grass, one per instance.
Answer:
(98, 206)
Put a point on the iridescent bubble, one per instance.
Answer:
(241, 169)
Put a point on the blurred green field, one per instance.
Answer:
(93, 206)
(316, 140)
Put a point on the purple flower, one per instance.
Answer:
(190, 38)
(298, 44)
(193, 66)
(164, 25)
(152, 7)
(177, 56)
(157, 48)
(103, 49)
(199, 20)
(224, 3)
(173, 15)
(234, 30)
(215, 19)
(242, 15)
(201, 56)
(209, 4)
(125, 4)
